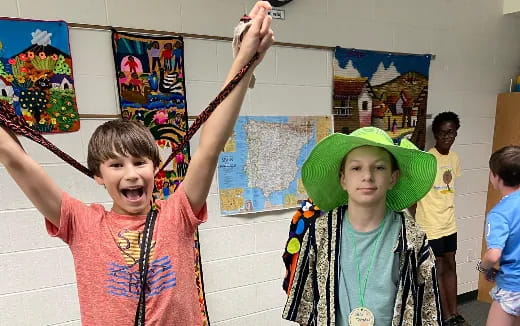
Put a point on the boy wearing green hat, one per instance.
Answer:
(365, 263)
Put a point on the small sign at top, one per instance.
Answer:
(277, 14)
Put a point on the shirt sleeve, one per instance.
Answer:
(71, 208)
(182, 210)
(301, 220)
(497, 230)
(300, 263)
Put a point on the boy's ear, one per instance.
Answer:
(394, 178)
(495, 180)
(99, 180)
(342, 180)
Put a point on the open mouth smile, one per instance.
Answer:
(133, 194)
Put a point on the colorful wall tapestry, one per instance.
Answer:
(259, 169)
(150, 76)
(379, 89)
(36, 73)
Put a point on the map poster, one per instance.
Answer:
(260, 167)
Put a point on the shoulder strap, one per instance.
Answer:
(146, 244)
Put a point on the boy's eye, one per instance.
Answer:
(140, 163)
(381, 167)
(355, 168)
(116, 165)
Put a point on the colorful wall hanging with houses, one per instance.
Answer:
(36, 73)
(150, 75)
(381, 89)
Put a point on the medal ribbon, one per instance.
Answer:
(361, 290)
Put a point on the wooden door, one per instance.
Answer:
(507, 132)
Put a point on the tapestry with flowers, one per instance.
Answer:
(36, 73)
(150, 78)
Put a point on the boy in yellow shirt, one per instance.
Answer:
(435, 213)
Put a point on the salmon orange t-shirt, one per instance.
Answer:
(106, 251)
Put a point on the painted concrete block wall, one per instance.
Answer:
(476, 52)
(511, 7)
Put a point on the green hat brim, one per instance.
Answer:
(321, 178)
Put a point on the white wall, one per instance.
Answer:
(476, 52)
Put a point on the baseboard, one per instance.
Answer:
(468, 296)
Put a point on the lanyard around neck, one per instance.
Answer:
(362, 288)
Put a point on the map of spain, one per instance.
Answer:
(259, 169)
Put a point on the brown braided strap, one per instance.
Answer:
(204, 115)
(16, 123)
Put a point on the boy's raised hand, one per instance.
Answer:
(260, 36)
(219, 126)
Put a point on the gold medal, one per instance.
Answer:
(361, 317)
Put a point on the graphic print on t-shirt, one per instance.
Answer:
(443, 185)
(123, 277)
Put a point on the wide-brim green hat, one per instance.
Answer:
(321, 170)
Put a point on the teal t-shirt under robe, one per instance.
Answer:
(383, 279)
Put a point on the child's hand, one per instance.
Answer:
(490, 273)
(260, 36)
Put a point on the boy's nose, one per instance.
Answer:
(367, 176)
(130, 173)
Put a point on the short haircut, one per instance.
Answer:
(121, 137)
(506, 164)
(393, 161)
(443, 117)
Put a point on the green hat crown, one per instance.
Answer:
(373, 134)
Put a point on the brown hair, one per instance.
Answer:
(120, 137)
(393, 161)
(506, 164)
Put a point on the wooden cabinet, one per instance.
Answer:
(507, 132)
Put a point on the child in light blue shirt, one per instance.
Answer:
(503, 238)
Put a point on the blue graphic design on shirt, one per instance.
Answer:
(123, 280)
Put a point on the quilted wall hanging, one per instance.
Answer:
(150, 79)
(381, 89)
(36, 73)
